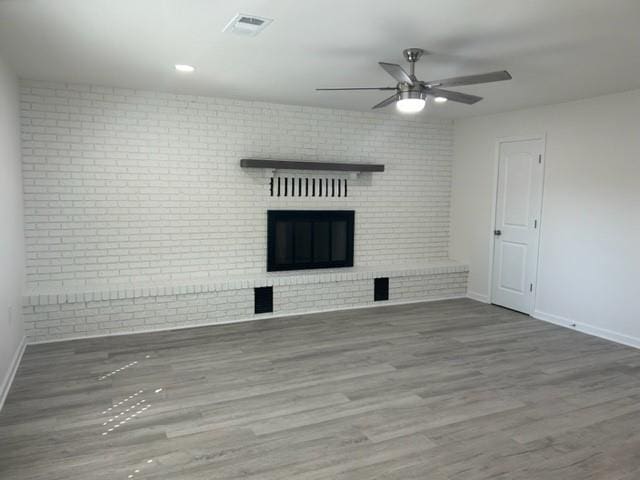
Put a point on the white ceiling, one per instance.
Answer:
(556, 50)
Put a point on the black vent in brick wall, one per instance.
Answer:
(381, 289)
(263, 299)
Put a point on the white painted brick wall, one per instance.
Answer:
(138, 216)
(123, 185)
(157, 312)
(428, 286)
(327, 296)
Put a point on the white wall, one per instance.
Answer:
(11, 231)
(590, 238)
(123, 185)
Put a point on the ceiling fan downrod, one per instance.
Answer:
(412, 55)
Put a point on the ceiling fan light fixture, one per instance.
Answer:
(412, 93)
(411, 102)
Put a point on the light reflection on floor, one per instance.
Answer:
(128, 411)
(138, 470)
(118, 370)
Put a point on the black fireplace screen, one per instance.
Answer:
(302, 239)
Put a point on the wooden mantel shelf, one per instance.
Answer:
(297, 165)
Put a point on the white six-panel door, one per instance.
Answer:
(517, 223)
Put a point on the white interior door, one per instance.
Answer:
(517, 225)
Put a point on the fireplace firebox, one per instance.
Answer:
(305, 239)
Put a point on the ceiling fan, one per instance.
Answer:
(411, 94)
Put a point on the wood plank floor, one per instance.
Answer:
(444, 390)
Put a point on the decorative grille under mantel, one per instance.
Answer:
(298, 186)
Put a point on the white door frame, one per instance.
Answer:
(496, 168)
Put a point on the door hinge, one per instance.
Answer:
(540, 158)
(531, 287)
(535, 224)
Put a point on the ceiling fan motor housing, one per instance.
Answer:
(413, 93)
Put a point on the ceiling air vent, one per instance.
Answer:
(248, 25)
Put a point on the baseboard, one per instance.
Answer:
(478, 296)
(252, 319)
(13, 368)
(588, 329)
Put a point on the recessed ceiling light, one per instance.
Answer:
(440, 99)
(181, 67)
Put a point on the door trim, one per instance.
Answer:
(494, 203)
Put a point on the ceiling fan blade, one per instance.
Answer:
(386, 101)
(356, 88)
(454, 96)
(470, 79)
(397, 72)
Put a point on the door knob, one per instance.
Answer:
(497, 233)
